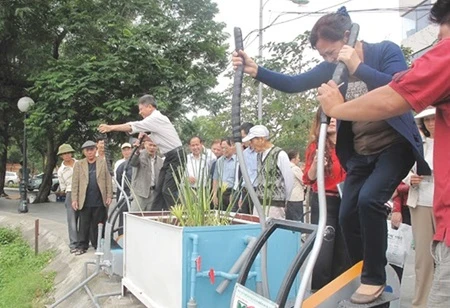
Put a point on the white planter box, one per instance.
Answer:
(158, 267)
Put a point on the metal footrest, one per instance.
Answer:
(386, 297)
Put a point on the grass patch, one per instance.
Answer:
(22, 281)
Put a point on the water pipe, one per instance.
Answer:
(251, 241)
(236, 124)
(225, 275)
(192, 302)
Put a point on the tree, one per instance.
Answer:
(23, 34)
(408, 53)
(287, 116)
(104, 54)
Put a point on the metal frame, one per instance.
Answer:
(295, 266)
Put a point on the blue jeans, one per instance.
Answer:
(370, 182)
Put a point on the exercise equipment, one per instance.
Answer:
(337, 293)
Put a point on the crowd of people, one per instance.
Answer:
(375, 151)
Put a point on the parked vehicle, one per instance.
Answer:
(11, 178)
(36, 181)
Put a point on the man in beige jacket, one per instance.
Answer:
(91, 195)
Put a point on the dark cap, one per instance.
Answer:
(89, 144)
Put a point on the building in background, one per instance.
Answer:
(417, 31)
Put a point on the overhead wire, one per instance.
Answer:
(321, 12)
(305, 14)
(422, 8)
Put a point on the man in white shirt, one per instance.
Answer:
(164, 135)
(126, 153)
(275, 178)
(251, 162)
(198, 163)
(65, 173)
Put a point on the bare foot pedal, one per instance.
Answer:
(386, 297)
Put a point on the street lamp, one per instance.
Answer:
(24, 104)
(260, 49)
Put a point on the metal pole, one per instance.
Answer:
(36, 237)
(23, 206)
(260, 53)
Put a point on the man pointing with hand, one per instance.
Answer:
(164, 135)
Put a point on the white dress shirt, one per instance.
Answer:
(163, 132)
(199, 168)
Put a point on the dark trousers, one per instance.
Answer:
(406, 219)
(294, 210)
(166, 191)
(333, 258)
(89, 218)
(370, 182)
(247, 204)
(123, 208)
(229, 197)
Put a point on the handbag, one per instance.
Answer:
(399, 244)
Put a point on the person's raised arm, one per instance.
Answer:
(379, 104)
(284, 82)
(105, 128)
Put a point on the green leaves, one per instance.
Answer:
(88, 61)
(288, 116)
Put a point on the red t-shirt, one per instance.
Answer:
(337, 172)
(428, 83)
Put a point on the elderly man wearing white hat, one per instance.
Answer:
(65, 173)
(275, 179)
(126, 153)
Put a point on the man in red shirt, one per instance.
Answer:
(426, 83)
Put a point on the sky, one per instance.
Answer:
(374, 26)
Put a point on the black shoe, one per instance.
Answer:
(80, 252)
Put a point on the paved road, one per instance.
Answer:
(55, 211)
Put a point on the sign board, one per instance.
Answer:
(245, 298)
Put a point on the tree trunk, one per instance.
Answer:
(51, 159)
(4, 139)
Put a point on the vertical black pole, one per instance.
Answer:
(23, 206)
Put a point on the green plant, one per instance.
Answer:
(22, 282)
(193, 207)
